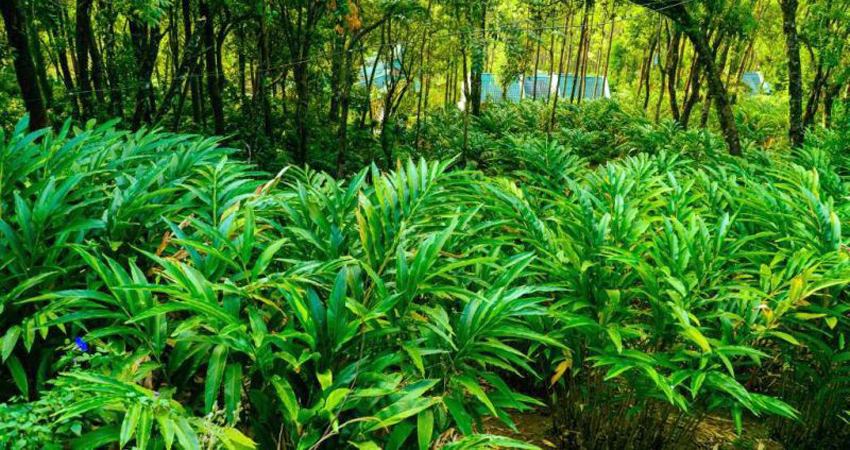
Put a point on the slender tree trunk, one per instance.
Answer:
(599, 59)
(587, 43)
(338, 43)
(116, 98)
(426, 40)
(795, 72)
(610, 44)
(65, 70)
(346, 80)
(262, 74)
(569, 55)
(706, 106)
(16, 33)
(816, 90)
(580, 51)
(97, 76)
(567, 21)
(213, 83)
(692, 93)
(656, 42)
(662, 71)
(672, 70)
(38, 60)
(478, 56)
(536, 67)
(716, 89)
(551, 62)
(194, 80)
(83, 81)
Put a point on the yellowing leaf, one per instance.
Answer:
(795, 290)
(560, 370)
(831, 322)
(698, 338)
(808, 316)
(785, 337)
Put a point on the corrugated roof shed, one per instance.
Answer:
(543, 83)
(595, 86)
(755, 81)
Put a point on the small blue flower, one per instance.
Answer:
(81, 344)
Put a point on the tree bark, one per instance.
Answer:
(580, 51)
(567, 21)
(478, 56)
(795, 72)
(672, 70)
(213, 83)
(83, 29)
(16, 33)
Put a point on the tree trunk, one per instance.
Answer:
(672, 70)
(610, 44)
(795, 72)
(656, 42)
(560, 71)
(17, 35)
(587, 42)
(692, 93)
(346, 80)
(38, 60)
(716, 90)
(194, 81)
(116, 99)
(705, 54)
(816, 90)
(426, 40)
(262, 95)
(213, 84)
(145, 49)
(83, 30)
(478, 57)
(662, 71)
(536, 67)
(580, 51)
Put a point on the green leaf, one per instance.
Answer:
(335, 397)
(459, 414)
(402, 409)
(232, 389)
(425, 428)
(615, 336)
(472, 386)
(9, 340)
(697, 337)
(19, 375)
(287, 398)
(97, 438)
(416, 357)
(128, 426)
(785, 337)
(215, 370)
(144, 430)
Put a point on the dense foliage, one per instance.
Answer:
(632, 279)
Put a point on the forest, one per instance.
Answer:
(424, 224)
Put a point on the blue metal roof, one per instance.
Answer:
(542, 81)
(492, 90)
(755, 81)
(595, 86)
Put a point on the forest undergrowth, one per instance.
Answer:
(629, 280)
